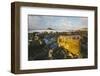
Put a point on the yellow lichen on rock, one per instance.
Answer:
(70, 43)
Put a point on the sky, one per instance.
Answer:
(43, 22)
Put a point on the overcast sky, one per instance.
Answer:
(38, 22)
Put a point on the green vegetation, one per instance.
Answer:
(44, 45)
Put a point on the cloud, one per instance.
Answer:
(56, 22)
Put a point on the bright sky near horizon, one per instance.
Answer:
(43, 22)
